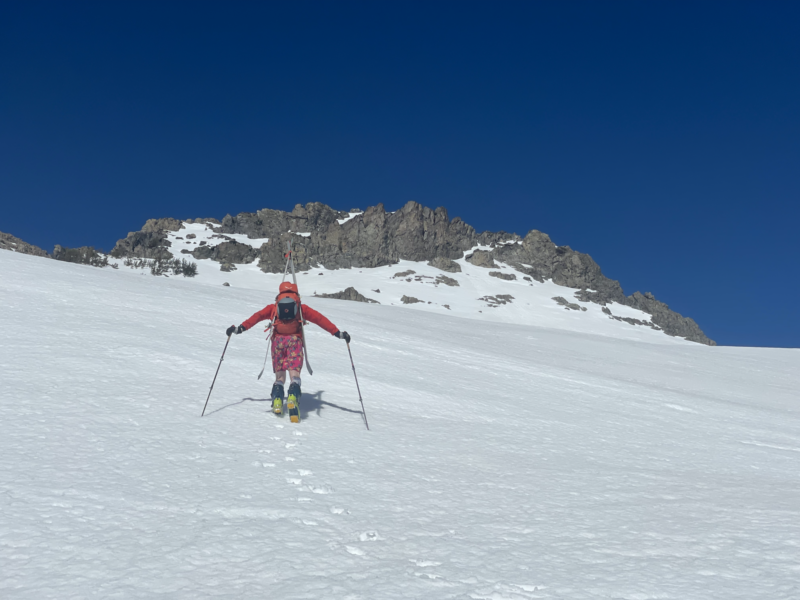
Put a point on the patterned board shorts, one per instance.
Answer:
(287, 353)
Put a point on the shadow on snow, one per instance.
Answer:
(309, 403)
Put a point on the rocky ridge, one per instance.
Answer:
(331, 239)
(85, 255)
(10, 242)
(324, 237)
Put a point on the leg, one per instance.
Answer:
(278, 352)
(277, 392)
(293, 395)
(294, 389)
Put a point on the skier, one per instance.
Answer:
(287, 342)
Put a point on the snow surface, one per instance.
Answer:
(349, 217)
(204, 233)
(506, 460)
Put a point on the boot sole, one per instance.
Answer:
(294, 410)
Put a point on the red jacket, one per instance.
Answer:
(290, 327)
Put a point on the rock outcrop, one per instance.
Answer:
(498, 300)
(667, 319)
(446, 280)
(567, 304)
(538, 257)
(168, 224)
(481, 258)
(143, 244)
(85, 255)
(445, 264)
(373, 238)
(506, 276)
(9, 242)
(230, 252)
(150, 242)
(403, 274)
(348, 294)
(324, 237)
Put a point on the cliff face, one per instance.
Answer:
(324, 237)
(373, 238)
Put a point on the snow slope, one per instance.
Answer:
(506, 460)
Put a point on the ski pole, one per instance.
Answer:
(215, 375)
(363, 410)
(266, 356)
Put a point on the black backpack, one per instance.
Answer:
(287, 306)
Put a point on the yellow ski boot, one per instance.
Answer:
(292, 404)
(277, 399)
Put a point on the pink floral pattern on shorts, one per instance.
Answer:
(287, 353)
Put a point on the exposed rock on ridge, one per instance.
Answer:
(144, 244)
(231, 252)
(372, 239)
(481, 258)
(150, 242)
(445, 264)
(85, 255)
(540, 258)
(376, 238)
(10, 242)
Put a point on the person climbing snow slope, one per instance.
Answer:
(287, 343)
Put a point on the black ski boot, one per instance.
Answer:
(292, 402)
(277, 398)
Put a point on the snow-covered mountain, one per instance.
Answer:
(331, 240)
(468, 290)
(516, 451)
(414, 237)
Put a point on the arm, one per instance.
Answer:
(309, 314)
(268, 312)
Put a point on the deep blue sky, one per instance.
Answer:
(661, 138)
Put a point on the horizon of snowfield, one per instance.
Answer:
(509, 457)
